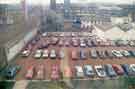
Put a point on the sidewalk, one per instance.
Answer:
(22, 84)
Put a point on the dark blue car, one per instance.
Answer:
(11, 71)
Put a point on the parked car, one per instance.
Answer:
(109, 54)
(74, 55)
(131, 43)
(11, 71)
(61, 42)
(40, 72)
(25, 53)
(54, 41)
(44, 34)
(132, 53)
(101, 54)
(110, 71)
(82, 43)
(68, 72)
(75, 42)
(30, 72)
(126, 68)
(61, 54)
(89, 43)
(55, 72)
(38, 53)
(53, 54)
(94, 43)
(117, 53)
(89, 71)
(118, 69)
(45, 53)
(67, 43)
(93, 54)
(79, 71)
(82, 54)
(132, 69)
(100, 70)
(125, 53)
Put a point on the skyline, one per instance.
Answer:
(46, 2)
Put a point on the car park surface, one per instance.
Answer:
(30, 60)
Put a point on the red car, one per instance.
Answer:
(30, 72)
(40, 72)
(74, 55)
(61, 42)
(55, 74)
(118, 69)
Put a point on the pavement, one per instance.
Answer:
(22, 84)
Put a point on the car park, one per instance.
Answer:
(79, 71)
(40, 72)
(30, 72)
(11, 71)
(38, 54)
(110, 71)
(93, 54)
(45, 53)
(55, 72)
(117, 53)
(82, 54)
(74, 55)
(118, 69)
(25, 53)
(88, 70)
(53, 54)
(61, 54)
(100, 70)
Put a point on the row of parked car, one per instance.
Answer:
(82, 42)
(39, 71)
(102, 54)
(81, 54)
(107, 70)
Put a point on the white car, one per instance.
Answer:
(79, 71)
(100, 70)
(45, 54)
(44, 34)
(25, 53)
(117, 53)
(125, 53)
(82, 43)
(52, 54)
(38, 53)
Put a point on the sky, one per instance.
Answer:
(46, 2)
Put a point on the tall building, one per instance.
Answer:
(53, 4)
(67, 8)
